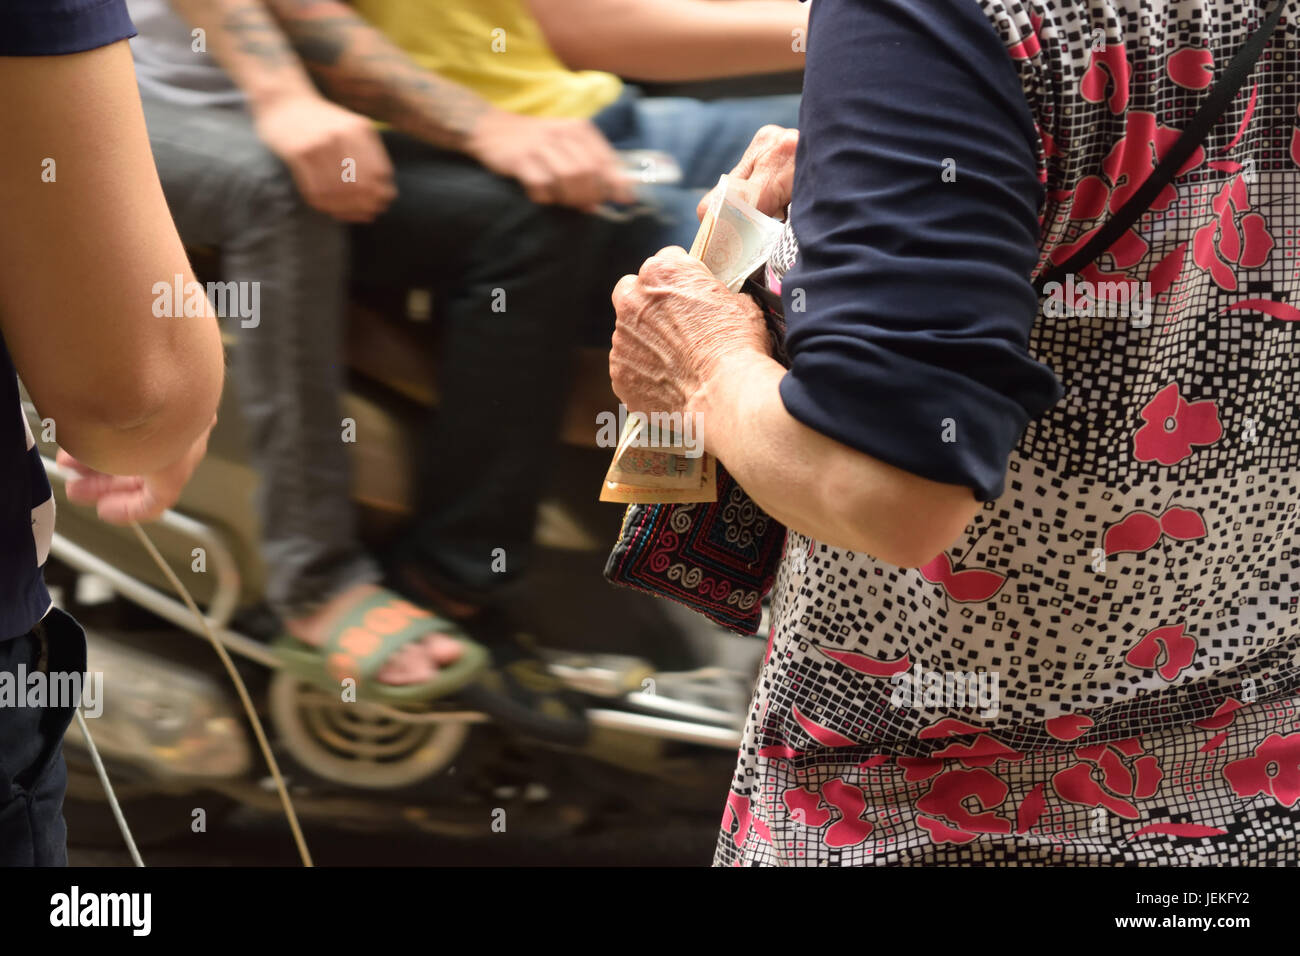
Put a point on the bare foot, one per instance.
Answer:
(413, 664)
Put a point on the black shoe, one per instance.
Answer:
(518, 691)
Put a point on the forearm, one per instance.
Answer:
(250, 46)
(675, 40)
(812, 483)
(357, 67)
(128, 389)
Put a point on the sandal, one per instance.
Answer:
(366, 636)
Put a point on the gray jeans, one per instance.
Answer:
(226, 189)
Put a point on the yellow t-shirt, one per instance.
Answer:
(495, 48)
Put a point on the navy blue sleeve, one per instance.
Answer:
(909, 308)
(51, 27)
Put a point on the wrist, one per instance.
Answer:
(719, 400)
(478, 129)
(263, 99)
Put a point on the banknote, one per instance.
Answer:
(733, 240)
(739, 238)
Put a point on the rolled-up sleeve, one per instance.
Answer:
(916, 202)
(56, 27)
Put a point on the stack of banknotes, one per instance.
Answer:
(657, 459)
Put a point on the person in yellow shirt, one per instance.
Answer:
(559, 59)
(497, 49)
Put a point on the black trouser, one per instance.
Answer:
(33, 777)
(507, 278)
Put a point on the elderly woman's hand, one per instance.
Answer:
(676, 325)
(768, 163)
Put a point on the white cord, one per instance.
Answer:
(239, 686)
(108, 789)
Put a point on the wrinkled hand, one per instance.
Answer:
(314, 136)
(768, 163)
(676, 323)
(561, 161)
(121, 499)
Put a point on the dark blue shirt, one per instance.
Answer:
(915, 290)
(49, 27)
(35, 28)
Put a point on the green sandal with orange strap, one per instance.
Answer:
(366, 636)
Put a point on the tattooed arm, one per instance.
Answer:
(244, 38)
(357, 66)
(563, 161)
(316, 139)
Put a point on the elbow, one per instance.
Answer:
(915, 551)
(181, 406)
(578, 41)
(138, 427)
(908, 526)
(576, 51)
(134, 409)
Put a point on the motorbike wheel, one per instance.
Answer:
(354, 746)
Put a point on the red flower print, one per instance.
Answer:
(1110, 777)
(1173, 426)
(1027, 48)
(1295, 143)
(1139, 531)
(1031, 808)
(973, 584)
(1191, 67)
(1278, 310)
(1167, 270)
(1223, 715)
(738, 820)
(945, 809)
(950, 727)
(1108, 67)
(850, 829)
(1126, 167)
(806, 808)
(871, 666)
(919, 768)
(1068, 726)
(1273, 770)
(1235, 237)
(1194, 831)
(820, 733)
(1167, 643)
(1183, 524)
(1136, 532)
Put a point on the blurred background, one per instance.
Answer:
(665, 691)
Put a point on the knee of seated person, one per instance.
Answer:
(521, 216)
(265, 184)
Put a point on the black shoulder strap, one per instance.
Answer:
(1193, 136)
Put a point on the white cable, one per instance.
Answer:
(108, 789)
(239, 686)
